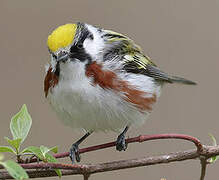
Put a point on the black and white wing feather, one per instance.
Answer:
(134, 61)
(138, 63)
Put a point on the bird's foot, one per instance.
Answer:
(120, 143)
(74, 153)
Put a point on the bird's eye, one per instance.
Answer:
(80, 46)
(76, 48)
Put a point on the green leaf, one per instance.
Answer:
(1, 157)
(214, 158)
(44, 150)
(20, 124)
(35, 150)
(52, 159)
(7, 149)
(213, 139)
(58, 172)
(15, 143)
(54, 149)
(43, 154)
(15, 170)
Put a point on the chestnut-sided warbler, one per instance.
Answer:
(100, 80)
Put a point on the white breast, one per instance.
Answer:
(79, 104)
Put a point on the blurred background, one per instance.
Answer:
(180, 36)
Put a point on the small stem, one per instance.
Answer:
(19, 159)
(203, 160)
(86, 176)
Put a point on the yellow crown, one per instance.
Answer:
(61, 37)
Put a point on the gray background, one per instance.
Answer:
(181, 37)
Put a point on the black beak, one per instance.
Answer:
(62, 57)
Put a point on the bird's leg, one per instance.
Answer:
(74, 150)
(120, 142)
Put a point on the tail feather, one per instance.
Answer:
(175, 79)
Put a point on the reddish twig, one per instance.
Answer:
(139, 139)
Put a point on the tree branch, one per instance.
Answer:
(68, 169)
(141, 138)
(45, 169)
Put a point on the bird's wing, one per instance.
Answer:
(134, 61)
(141, 64)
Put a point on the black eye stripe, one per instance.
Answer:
(79, 45)
(77, 50)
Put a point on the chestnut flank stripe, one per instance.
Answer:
(109, 80)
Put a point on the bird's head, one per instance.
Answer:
(75, 45)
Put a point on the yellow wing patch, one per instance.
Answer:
(61, 37)
(140, 60)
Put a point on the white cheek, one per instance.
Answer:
(94, 47)
(90, 48)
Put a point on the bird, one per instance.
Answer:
(99, 80)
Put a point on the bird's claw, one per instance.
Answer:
(74, 153)
(120, 143)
